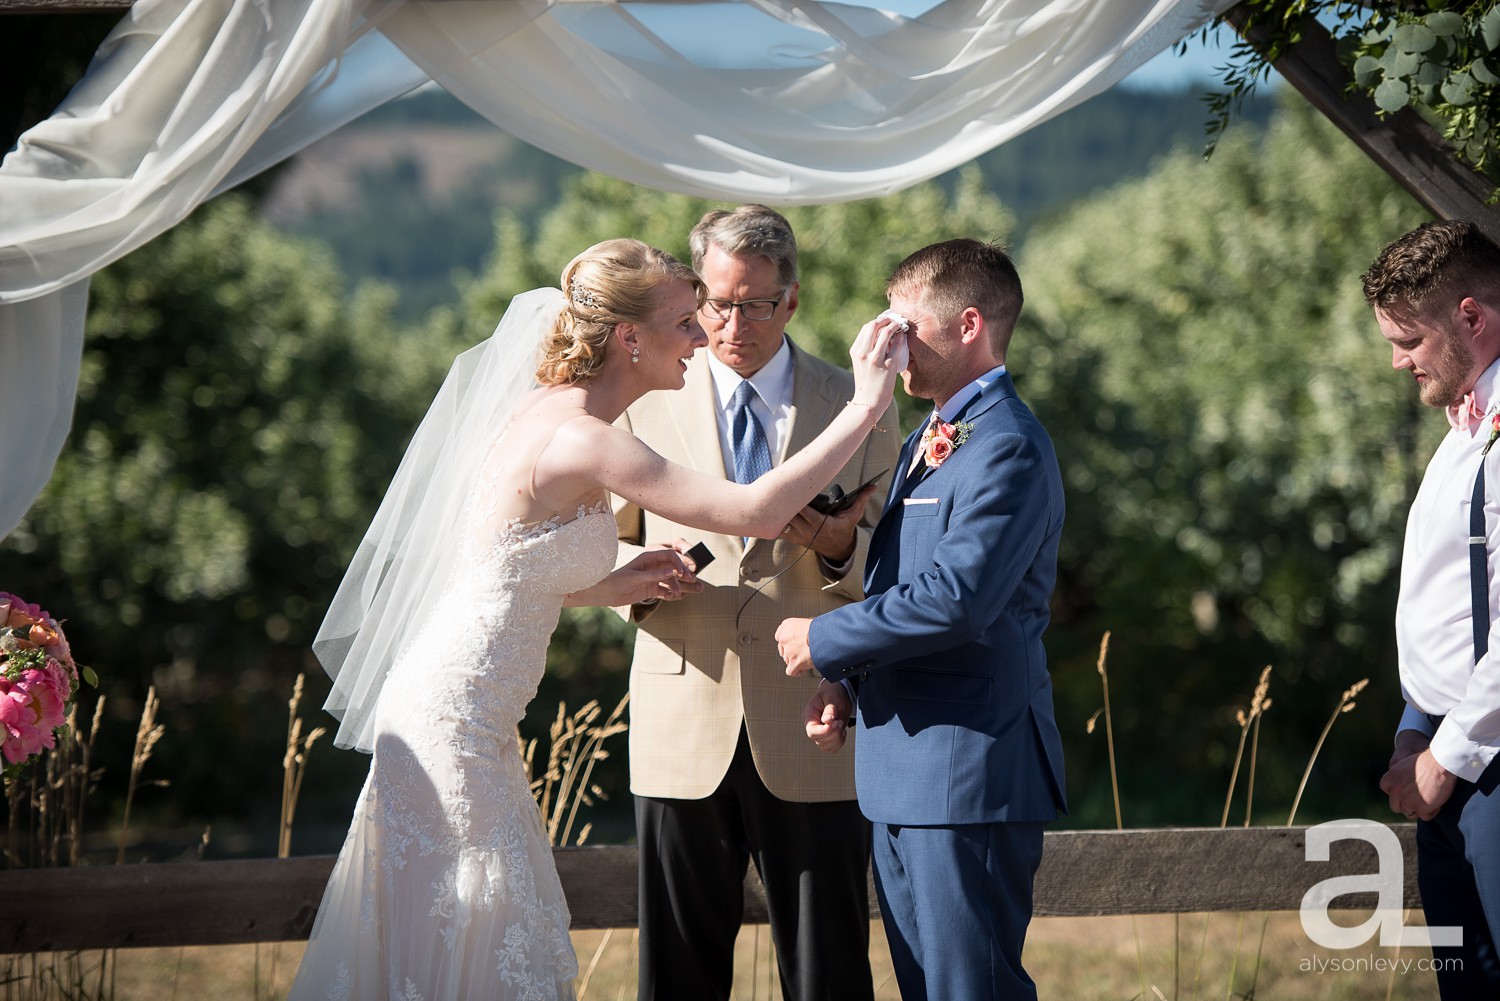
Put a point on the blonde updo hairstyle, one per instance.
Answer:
(617, 281)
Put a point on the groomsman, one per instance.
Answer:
(959, 762)
(1436, 297)
(720, 767)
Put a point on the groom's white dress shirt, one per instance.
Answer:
(1434, 622)
(961, 399)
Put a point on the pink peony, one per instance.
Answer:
(62, 676)
(30, 710)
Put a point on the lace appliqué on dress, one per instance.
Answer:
(445, 889)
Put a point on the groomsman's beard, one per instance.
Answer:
(1447, 388)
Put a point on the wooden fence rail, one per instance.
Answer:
(271, 900)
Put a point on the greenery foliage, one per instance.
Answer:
(237, 419)
(1239, 460)
(1442, 58)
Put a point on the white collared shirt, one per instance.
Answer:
(1434, 621)
(771, 403)
(961, 399)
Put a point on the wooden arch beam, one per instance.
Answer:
(1403, 144)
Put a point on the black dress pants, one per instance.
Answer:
(813, 859)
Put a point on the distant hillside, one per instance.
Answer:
(1111, 138)
(408, 194)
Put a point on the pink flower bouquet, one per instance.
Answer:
(38, 680)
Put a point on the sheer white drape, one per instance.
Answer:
(785, 101)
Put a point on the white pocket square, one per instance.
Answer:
(919, 500)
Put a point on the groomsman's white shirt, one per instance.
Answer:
(1434, 623)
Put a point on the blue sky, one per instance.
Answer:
(1195, 67)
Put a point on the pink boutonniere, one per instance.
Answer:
(940, 439)
(1494, 433)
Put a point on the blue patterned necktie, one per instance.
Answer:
(752, 455)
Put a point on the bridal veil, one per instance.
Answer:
(409, 552)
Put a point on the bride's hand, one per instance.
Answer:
(662, 574)
(654, 575)
(878, 356)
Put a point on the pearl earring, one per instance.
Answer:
(635, 356)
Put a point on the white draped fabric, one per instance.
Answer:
(781, 101)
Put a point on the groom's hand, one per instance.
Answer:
(791, 643)
(825, 715)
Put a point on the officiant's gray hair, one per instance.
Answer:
(749, 229)
(617, 281)
(1432, 267)
(951, 276)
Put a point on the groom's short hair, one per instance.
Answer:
(1434, 266)
(951, 276)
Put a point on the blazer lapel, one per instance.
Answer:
(812, 409)
(693, 408)
(992, 394)
(901, 481)
(812, 404)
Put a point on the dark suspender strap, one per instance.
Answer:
(1479, 590)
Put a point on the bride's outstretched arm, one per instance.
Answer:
(625, 466)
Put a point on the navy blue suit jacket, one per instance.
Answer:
(955, 700)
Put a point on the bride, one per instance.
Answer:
(498, 516)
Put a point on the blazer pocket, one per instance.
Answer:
(943, 686)
(659, 656)
(921, 528)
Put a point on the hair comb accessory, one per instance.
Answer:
(582, 296)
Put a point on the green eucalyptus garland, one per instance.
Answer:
(1442, 59)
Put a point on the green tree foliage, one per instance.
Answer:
(237, 420)
(1239, 460)
(1441, 58)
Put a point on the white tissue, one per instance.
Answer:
(902, 323)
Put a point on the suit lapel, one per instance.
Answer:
(902, 485)
(992, 394)
(900, 482)
(811, 411)
(812, 404)
(693, 408)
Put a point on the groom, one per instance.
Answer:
(959, 762)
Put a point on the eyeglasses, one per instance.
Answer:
(753, 310)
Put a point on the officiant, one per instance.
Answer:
(721, 769)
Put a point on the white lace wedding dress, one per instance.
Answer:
(445, 888)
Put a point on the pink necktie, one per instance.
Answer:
(1462, 415)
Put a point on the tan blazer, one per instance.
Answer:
(698, 671)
